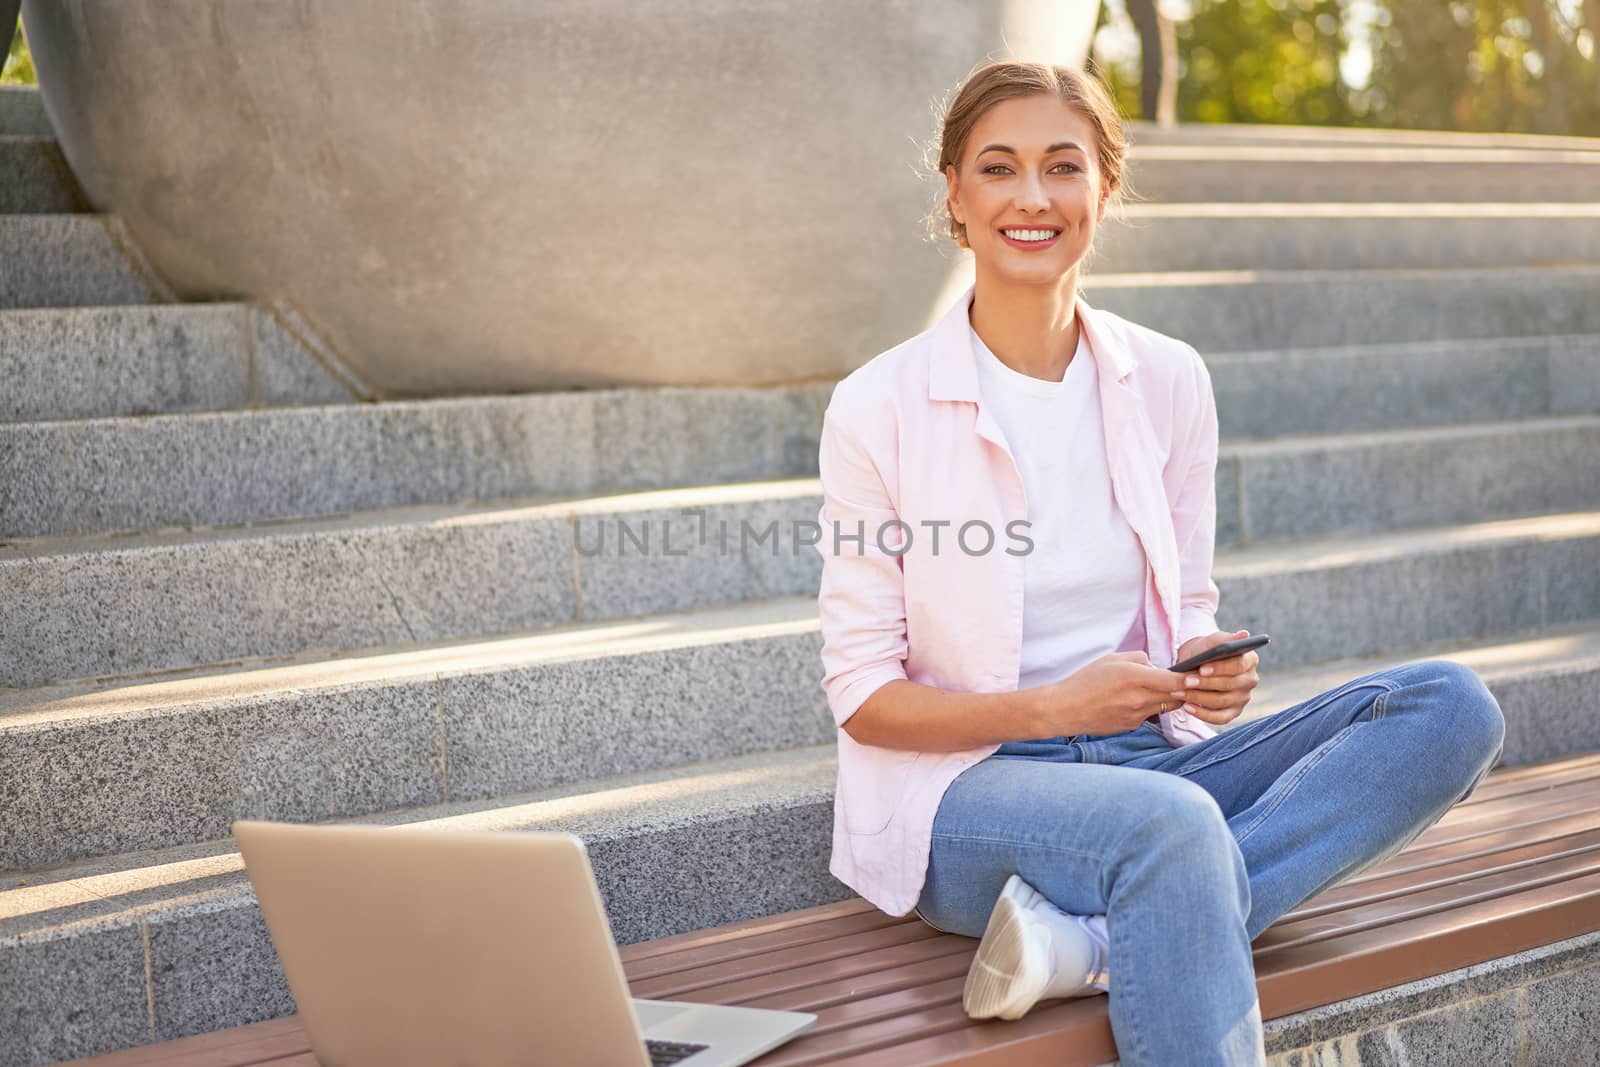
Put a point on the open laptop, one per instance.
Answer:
(407, 946)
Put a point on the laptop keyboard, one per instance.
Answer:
(663, 1053)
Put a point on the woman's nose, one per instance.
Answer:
(1032, 195)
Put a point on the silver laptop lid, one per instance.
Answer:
(409, 947)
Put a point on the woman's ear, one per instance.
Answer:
(952, 189)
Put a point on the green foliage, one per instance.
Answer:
(1263, 61)
(18, 68)
(1489, 65)
(1486, 65)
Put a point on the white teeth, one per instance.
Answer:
(1029, 235)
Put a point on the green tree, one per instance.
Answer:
(1263, 61)
(18, 69)
(1486, 65)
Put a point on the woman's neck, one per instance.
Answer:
(1031, 329)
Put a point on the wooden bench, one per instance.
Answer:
(1515, 866)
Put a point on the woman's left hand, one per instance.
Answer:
(1217, 692)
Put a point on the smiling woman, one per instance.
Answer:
(1001, 713)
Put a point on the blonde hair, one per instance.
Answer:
(994, 82)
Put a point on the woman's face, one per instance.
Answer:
(1029, 164)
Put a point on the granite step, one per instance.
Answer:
(1228, 134)
(1348, 236)
(1255, 309)
(35, 178)
(118, 605)
(22, 112)
(95, 476)
(1413, 384)
(92, 475)
(1249, 173)
(149, 762)
(49, 261)
(168, 943)
(73, 363)
(94, 607)
(140, 763)
(1286, 488)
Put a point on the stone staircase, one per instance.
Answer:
(236, 588)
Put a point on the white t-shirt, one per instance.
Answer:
(1083, 579)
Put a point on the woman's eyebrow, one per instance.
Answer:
(1057, 147)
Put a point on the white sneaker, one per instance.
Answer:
(1016, 964)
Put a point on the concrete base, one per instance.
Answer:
(1531, 1009)
(478, 196)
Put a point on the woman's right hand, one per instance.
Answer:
(1111, 695)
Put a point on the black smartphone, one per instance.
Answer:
(1222, 651)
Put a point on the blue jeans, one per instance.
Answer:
(1191, 863)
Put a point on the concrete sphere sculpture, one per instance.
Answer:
(468, 196)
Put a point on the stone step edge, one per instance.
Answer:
(126, 888)
(598, 505)
(607, 808)
(168, 692)
(423, 404)
(1282, 211)
(1288, 133)
(542, 506)
(1248, 154)
(122, 241)
(1374, 275)
(1275, 210)
(1299, 444)
(1401, 349)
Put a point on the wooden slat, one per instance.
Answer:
(1321, 972)
(1524, 810)
(1063, 1033)
(883, 992)
(735, 931)
(714, 971)
(1512, 779)
(235, 1047)
(736, 982)
(1524, 856)
(1441, 900)
(1582, 793)
(819, 934)
(941, 1020)
(1485, 844)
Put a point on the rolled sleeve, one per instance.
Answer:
(862, 597)
(1194, 511)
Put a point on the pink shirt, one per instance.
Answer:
(922, 565)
